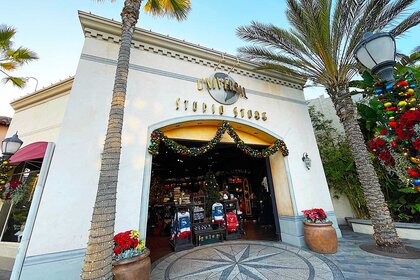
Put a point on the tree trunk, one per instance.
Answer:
(99, 252)
(385, 234)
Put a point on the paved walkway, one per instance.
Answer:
(245, 259)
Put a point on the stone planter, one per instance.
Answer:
(135, 268)
(320, 238)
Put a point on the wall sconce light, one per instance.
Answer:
(306, 160)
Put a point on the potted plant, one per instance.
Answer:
(319, 234)
(131, 257)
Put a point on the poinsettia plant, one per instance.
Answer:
(127, 244)
(14, 190)
(315, 215)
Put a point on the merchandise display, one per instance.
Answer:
(217, 213)
(181, 238)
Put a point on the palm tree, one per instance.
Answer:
(319, 46)
(11, 58)
(98, 258)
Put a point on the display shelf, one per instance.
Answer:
(204, 234)
(198, 206)
(179, 244)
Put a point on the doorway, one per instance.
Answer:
(222, 174)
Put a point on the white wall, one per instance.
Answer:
(70, 189)
(40, 122)
(342, 208)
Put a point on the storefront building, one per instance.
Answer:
(187, 92)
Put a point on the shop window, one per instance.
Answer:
(13, 216)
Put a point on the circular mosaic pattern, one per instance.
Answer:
(245, 260)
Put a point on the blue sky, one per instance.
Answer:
(52, 29)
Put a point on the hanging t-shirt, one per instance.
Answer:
(184, 224)
(181, 225)
(217, 213)
(232, 222)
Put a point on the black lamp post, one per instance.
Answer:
(10, 145)
(376, 52)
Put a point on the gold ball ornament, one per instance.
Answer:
(410, 91)
(388, 104)
(5, 162)
(415, 160)
(391, 119)
(412, 101)
(402, 104)
(401, 93)
(2, 182)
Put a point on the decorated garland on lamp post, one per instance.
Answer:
(157, 136)
(397, 143)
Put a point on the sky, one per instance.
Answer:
(52, 29)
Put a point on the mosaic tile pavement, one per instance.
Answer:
(245, 260)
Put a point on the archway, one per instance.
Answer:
(201, 129)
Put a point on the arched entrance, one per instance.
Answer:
(194, 132)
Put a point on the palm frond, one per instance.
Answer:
(21, 55)
(406, 24)
(263, 55)
(16, 81)
(6, 34)
(172, 8)
(391, 13)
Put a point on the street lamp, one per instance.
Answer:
(10, 145)
(376, 52)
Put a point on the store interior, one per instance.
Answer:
(221, 195)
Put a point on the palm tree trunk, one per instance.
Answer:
(99, 252)
(385, 234)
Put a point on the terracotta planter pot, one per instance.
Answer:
(135, 268)
(320, 238)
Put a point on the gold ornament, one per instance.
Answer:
(401, 93)
(5, 162)
(415, 160)
(410, 91)
(402, 104)
(388, 104)
(2, 182)
(391, 118)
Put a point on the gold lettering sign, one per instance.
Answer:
(249, 114)
(221, 110)
(177, 103)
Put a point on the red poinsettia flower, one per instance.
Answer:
(416, 144)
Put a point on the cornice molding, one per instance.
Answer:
(109, 30)
(41, 96)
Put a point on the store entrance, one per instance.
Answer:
(220, 186)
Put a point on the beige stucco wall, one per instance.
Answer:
(40, 121)
(342, 208)
(3, 131)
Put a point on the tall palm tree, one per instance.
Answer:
(319, 46)
(11, 58)
(98, 258)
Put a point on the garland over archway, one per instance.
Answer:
(158, 136)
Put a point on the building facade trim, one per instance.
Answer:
(44, 95)
(108, 30)
(168, 74)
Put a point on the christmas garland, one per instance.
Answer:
(158, 136)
